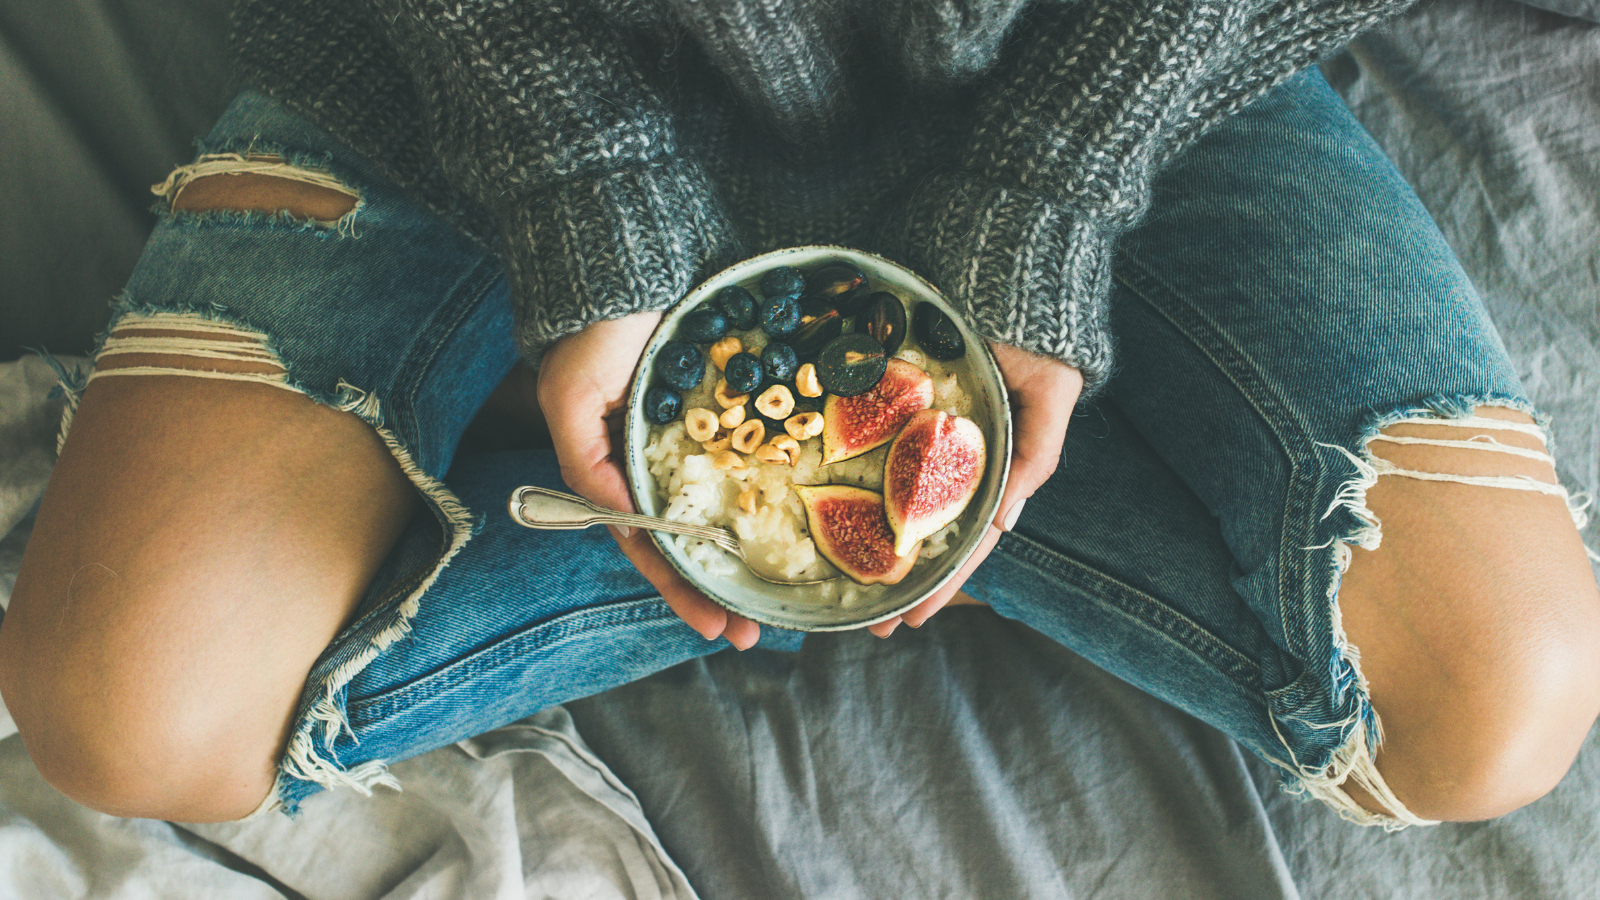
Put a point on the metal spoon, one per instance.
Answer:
(537, 507)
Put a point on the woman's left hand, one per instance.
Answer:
(583, 392)
(1043, 393)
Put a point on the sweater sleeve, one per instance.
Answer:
(540, 116)
(1085, 104)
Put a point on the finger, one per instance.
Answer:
(886, 627)
(595, 476)
(925, 610)
(697, 610)
(583, 447)
(602, 482)
(1042, 402)
(694, 608)
(741, 632)
(578, 397)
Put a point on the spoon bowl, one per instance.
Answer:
(537, 507)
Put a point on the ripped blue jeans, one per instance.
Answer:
(1287, 297)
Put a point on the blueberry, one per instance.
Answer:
(743, 372)
(681, 365)
(780, 361)
(783, 282)
(780, 316)
(661, 404)
(739, 306)
(703, 326)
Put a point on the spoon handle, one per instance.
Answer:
(537, 507)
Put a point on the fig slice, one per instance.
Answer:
(932, 473)
(851, 531)
(854, 425)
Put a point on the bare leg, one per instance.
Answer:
(200, 543)
(1478, 625)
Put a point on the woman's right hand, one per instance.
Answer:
(583, 393)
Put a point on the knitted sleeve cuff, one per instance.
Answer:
(633, 239)
(1028, 271)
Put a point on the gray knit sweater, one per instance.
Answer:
(616, 152)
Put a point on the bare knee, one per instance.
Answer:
(133, 737)
(144, 767)
(1497, 743)
(1478, 626)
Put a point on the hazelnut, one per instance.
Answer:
(804, 425)
(729, 401)
(747, 437)
(770, 454)
(723, 350)
(747, 501)
(806, 381)
(727, 459)
(775, 402)
(732, 417)
(719, 441)
(788, 446)
(701, 423)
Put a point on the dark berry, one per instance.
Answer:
(885, 319)
(834, 280)
(743, 372)
(703, 326)
(780, 361)
(853, 302)
(780, 317)
(812, 336)
(937, 332)
(851, 364)
(681, 365)
(739, 306)
(783, 282)
(815, 307)
(662, 404)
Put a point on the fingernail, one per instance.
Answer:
(1016, 511)
(627, 532)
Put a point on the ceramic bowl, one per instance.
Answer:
(804, 608)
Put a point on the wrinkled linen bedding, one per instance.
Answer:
(969, 758)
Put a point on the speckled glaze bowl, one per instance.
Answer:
(803, 608)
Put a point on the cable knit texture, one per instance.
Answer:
(615, 152)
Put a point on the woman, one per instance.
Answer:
(258, 482)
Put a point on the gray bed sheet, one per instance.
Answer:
(970, 758)
(974, 758)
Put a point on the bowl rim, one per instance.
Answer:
(637, 473)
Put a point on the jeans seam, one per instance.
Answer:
(480, 279)
(1294, 566)
(1143, 608)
